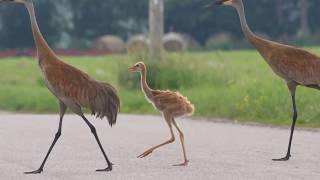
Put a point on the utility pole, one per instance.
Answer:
(304, 23)
(156, 27)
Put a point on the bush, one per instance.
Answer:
(304, 40)
(169, 74)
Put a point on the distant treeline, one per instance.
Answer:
(76, 23)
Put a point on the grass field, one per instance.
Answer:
(227, 84)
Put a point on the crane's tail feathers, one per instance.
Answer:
(188, 107)
(106, 103)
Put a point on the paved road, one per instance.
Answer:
(216, 150)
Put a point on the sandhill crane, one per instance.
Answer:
(171, 104)
(296, 66)
(73, 88)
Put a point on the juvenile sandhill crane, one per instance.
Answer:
(296, 66)
(73, 88)
(171, 104)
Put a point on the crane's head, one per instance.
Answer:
(233, 3)
(17, 1)
(138, 67)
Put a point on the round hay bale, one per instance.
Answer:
(174, 42)
(191, 42)
(138, 44)
(113, 44)
(220, 41)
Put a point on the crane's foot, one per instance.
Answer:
(35, 172)
(185, 163)
(145, 154)
(286, 158)
(109, 168)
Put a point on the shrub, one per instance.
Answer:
(167, 74)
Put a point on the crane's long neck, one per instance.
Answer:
(43, 49)
(144, 85)
(244, 25)
(262, 45)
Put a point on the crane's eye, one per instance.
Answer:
(137, 65)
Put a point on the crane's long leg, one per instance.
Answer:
(171, 140)
(292, 87)
(94, 132)
(186, 161)
(63, 109)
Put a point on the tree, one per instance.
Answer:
(15, 24)
(279, 4)
(92, 19)
(72, 23)
(77, 23)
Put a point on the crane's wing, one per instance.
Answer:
(294, 64)
(66, 81)
(172, 102)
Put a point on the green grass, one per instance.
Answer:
(228, 84)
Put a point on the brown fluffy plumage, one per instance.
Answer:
(171, 104)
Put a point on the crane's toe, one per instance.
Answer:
(286, 158)
(144, 154)
(34, 172)
(105, 170)
(185, 163)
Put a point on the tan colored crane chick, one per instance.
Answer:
(73, 88)
(171, 104)
(295, 66)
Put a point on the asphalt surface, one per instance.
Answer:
(215, 150)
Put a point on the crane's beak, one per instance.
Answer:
(214, 3)
(132, 69)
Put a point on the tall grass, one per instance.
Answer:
(228, 84)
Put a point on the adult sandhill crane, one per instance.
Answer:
(73, 88)
(296, 66)
(171, 104)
